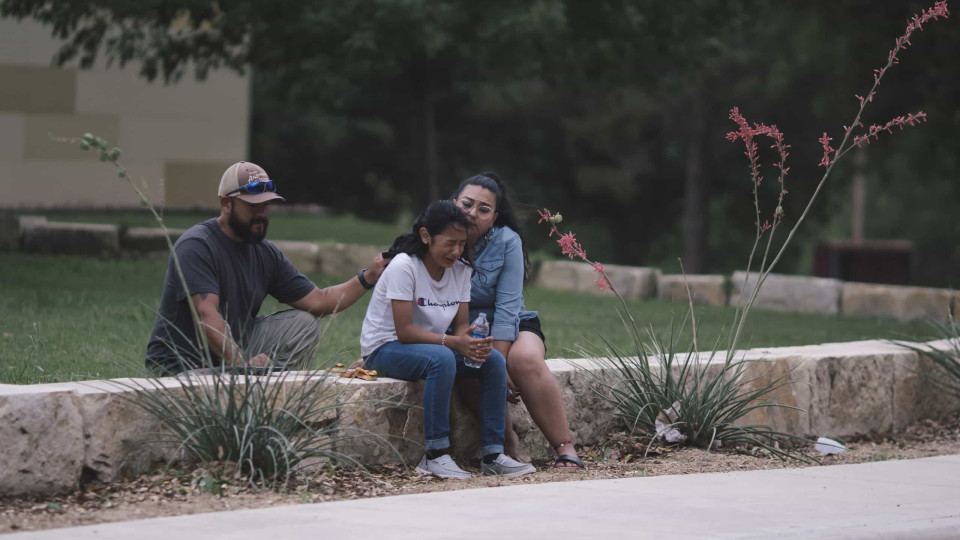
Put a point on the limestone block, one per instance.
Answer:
(591, 417)
(9, 232)
(344, 260)
(72, 239)
(119, 435)
(385, 420)
(12, 227)
(380, 421)
(148, 239)
(705, 289)
(557, 275)
(902, 303)
(303, 255)
(27, 222)
(789, 293)
(790, 400)
(41, 441)
(851, 395)
(630, 281)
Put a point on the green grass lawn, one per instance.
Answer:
(305, 227)
(75, 318)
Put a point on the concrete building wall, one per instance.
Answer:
(176, 139)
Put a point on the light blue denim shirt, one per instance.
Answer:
(497, 285)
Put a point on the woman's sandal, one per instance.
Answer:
(564, 459)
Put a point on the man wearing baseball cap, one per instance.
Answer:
(228, 269)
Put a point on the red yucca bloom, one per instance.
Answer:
(571, 248)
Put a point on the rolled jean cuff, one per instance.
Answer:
(492, 449)
(437, 444)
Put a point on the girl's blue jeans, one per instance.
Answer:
(439, 366)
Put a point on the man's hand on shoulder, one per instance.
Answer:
(376, 268)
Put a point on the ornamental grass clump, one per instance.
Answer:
(262, 428)
(682, 397)
(698, 399)
(257, 424)
(945, 354)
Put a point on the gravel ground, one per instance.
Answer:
(189, 490)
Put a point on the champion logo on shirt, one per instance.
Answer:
(423, 302)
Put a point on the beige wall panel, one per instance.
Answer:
(37, 89)
(223, 97)
(49, 184)
(11, 137)
(26, 42)
(193, 184)
(43, 135)
(181, 139)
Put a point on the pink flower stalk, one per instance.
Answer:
(938, 10)
(746, 133)
(900, 121)
(571, 248)
(602, 282)
(827, 149)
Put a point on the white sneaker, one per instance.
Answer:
(443, 466)
(506, 466)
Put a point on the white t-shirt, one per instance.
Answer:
(435, 303)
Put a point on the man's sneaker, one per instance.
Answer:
(443, 466)
(506, 466)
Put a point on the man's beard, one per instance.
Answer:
(245, 230)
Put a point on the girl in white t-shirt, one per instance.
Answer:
(424, 291)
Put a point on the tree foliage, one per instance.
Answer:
(614, 109)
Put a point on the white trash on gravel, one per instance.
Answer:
(829, 446)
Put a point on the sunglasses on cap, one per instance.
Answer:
(254, 188)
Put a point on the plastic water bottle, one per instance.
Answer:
(481, 330)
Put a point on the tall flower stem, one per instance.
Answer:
(846, 145)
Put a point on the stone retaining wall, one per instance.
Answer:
(52, 434)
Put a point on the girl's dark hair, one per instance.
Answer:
(506, 216)
(438, 216)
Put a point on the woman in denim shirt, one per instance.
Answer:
(502, 268)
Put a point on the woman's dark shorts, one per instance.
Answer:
(533, 325)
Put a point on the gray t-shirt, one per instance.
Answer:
(241, 274)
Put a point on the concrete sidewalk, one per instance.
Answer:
(893, 499)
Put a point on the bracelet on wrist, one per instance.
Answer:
(363, 281)
(443, 340)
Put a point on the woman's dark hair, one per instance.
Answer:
(438, 216)
(506, 216)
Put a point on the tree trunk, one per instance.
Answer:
(693, 207)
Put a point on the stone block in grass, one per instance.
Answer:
(705, 289)
(789, 293)
(633, 282)
(344, 260)
(897, 302)
(148, 239)
(12, 227)
(303, 255)
(9, 232)
(72, 239)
